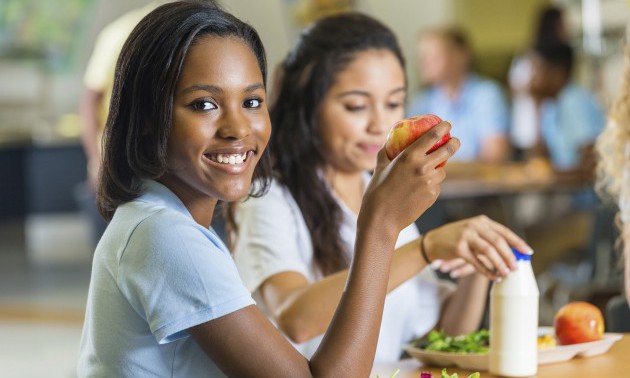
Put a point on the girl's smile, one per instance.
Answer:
(232, 162)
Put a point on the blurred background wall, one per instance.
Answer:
(35, 95)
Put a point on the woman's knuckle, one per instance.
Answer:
(434, 134)
(451, 149)
(496, 239)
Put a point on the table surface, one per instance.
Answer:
(614, 363)
(468, 180)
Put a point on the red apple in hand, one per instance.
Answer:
(578, 322)
(408, 130)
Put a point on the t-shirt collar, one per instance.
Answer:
(157, 193)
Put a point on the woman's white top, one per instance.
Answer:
(273, 238)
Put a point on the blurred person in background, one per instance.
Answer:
(452, 91)
(98, 81)
(570, 117)
(342, 88)
(613, 166)
(551, 28)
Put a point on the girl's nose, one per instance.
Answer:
(234, 125)
(378, 122)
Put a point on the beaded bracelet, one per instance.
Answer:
(423, 250)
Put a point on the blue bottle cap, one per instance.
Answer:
(521, 256)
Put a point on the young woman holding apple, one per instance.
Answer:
(342, 88)
(188, 126)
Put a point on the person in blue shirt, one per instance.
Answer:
(570, 117)
(188, 127)
(476, 106)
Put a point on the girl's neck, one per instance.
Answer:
(201, 207)
(202, 210)
(348, 187)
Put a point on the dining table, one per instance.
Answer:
(615, 363)
(473, 180)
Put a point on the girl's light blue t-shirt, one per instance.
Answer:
(156, 273)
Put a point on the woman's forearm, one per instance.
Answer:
(307, 312)
(465, 307)
(353, 332)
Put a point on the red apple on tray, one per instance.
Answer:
(408, 130)
(578, 322)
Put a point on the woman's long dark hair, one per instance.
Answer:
(551, 26)
(296, 145)
(141, 110)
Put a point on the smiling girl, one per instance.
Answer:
(187, 127)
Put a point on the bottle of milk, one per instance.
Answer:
(514, 322)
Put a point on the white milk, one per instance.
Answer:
(514, 322)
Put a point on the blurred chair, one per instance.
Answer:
(589, 274)
(617, 315)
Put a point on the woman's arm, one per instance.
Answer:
(244, 343)
(90, 131)
(463, 310)
(304, 310)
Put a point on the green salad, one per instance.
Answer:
(438, 341)
(447, 375)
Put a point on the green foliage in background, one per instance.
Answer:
(41, 30)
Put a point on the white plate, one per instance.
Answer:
(479, 361)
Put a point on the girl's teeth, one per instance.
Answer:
(229, 158)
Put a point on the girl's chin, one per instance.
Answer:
(369, 164)
(235, 194)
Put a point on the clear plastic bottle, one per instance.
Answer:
(514, 322)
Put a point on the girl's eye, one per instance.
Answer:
(202, 105)
(394, 105)
(354, 108)
(253, 103)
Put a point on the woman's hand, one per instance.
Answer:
(404, 188)
(478, 241)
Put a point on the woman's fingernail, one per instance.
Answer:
(437, 264)
(454, 274)
(507, 271)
